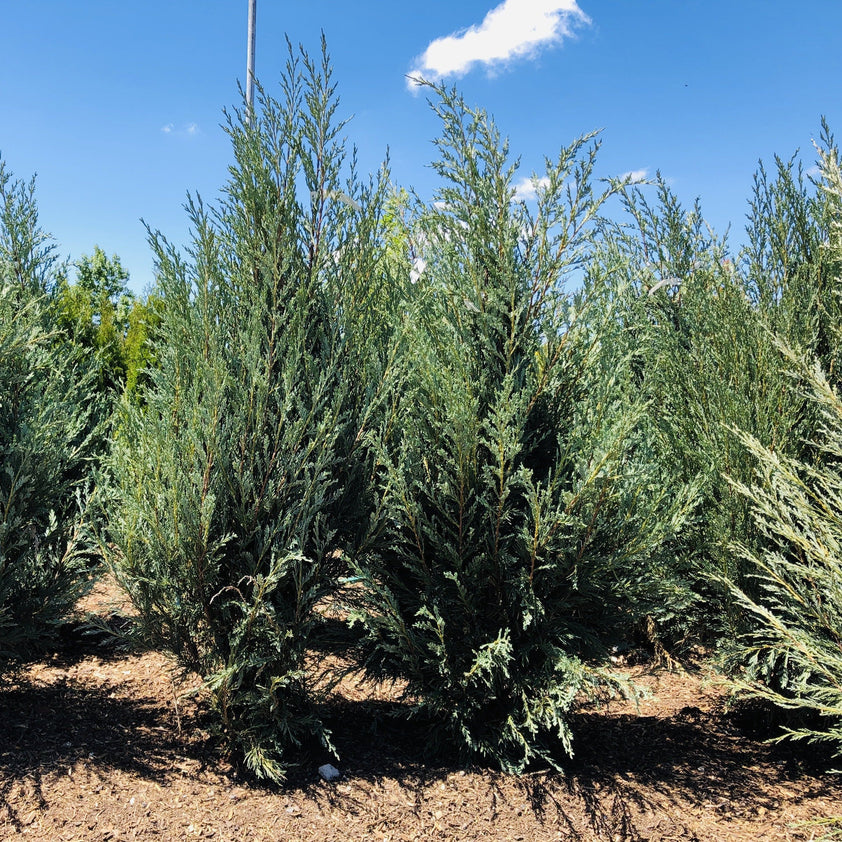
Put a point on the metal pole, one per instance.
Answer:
(250, 60)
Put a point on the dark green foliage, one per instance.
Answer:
(508, 535)
(44, 551)
(242, 478)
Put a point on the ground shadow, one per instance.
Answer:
(624, 763)
(64, 726)
(627, 765)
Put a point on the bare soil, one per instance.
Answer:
(100, 744)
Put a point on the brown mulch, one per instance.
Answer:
(99, 744)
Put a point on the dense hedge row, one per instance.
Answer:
(339, 393)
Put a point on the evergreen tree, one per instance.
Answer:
(791, 651)
(96, 313)
(700, 327)
(506, 536)
(241, 480)
(44, 445)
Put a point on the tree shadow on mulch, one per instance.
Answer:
(624, 763)
(50, 727)
(625, 766)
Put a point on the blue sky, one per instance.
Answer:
(117, 105)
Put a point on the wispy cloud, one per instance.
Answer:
(185, 130)
(514, 29)
(635, 176)
(527, 188)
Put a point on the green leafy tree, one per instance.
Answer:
(143, 322)
(94, 314)
(100, 315)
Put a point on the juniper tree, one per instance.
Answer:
(791, 268)
(241, 480)
(44, 441)
(699, 325)
(790, 652)
(506, 535)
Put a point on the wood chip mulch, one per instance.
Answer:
(97, 744)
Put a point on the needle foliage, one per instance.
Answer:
(791, 652)
(702, 328)
(242, 478)
(44, 440)
(507, 533)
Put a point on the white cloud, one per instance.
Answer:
(514, 29)
(635, 176)
(527, 188)
(186, 130)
